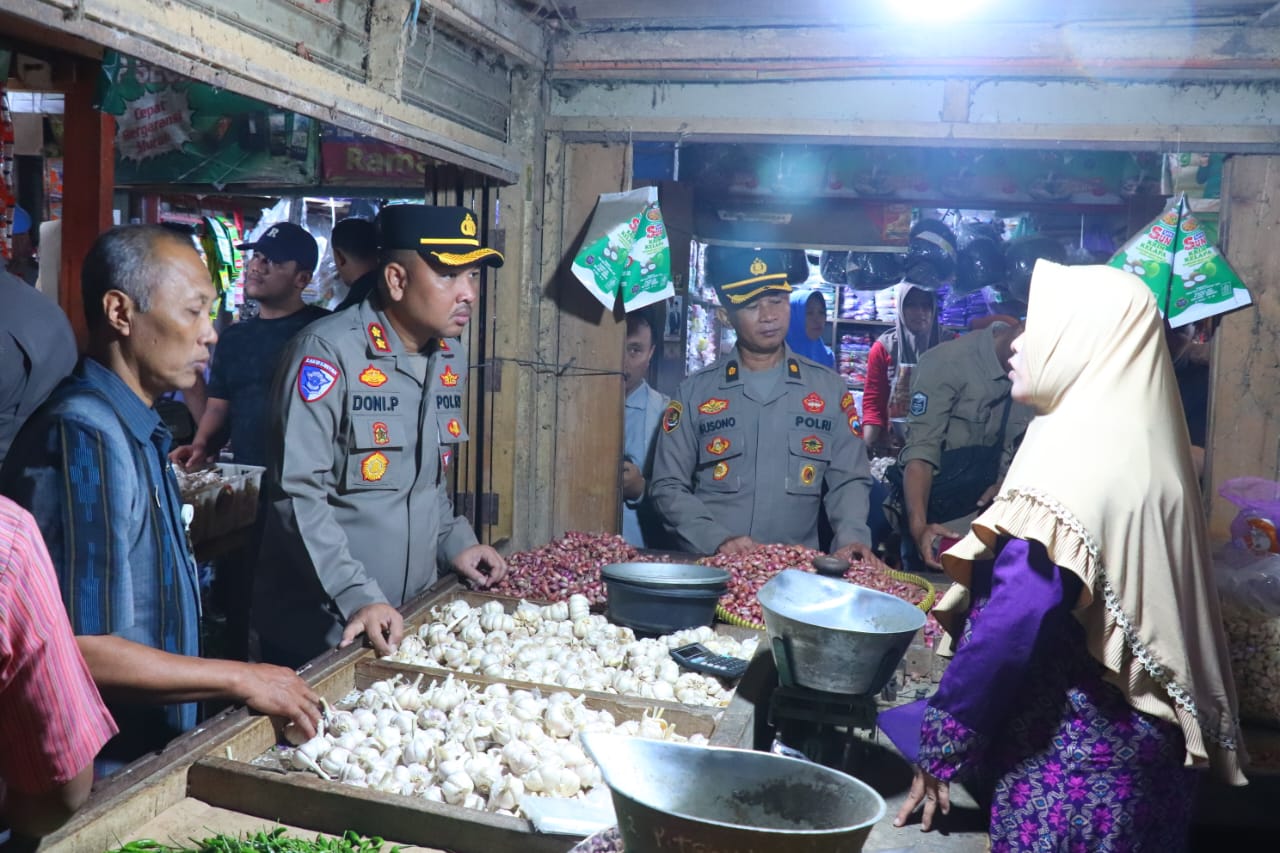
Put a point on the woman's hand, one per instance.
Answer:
(932, 792)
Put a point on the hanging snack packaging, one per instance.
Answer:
(625, 253)
(1203, 283)
(1149, 253)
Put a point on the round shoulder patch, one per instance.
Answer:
(671, 417)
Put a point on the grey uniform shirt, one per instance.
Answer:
(37, 350)
(358, 513)
(728, 464)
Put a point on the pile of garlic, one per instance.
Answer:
(565, 645)
(455, 743)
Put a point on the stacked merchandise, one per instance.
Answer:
(959, 309)
(857, 304)
(701, 350)
(852, 362)
(887, 305)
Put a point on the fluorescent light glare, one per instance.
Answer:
(935, 11)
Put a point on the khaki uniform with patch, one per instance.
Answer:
(363, 434)
(729, 465)
(958, 395)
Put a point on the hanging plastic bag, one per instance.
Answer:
(1254, 527)
(1249, 589)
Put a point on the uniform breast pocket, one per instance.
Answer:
(375, 458)
(808, 455)
(719, 461)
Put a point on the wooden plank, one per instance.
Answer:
(191, 818)
(304, 800)
(1244, 423)
(586, 490)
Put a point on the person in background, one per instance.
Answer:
(808, 325)
(355, 255)
(963, 423)
(54, 719)
(23, 264)
(1091, 676)
(756, 443)
(239, 402)
(366, 420)
(915, 332)
(277, 272)
(37, 349)
(92, 466)
(642, 413)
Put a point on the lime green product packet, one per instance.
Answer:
(1149, 253)
(626, 254)
(1203, 283)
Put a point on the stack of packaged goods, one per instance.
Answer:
(887, 305)
(857, 304)
(959, 310)
(852, 363)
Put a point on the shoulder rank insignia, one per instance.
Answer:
(812, 445)
(714, 406)
(378, 337)
(793, 368)
(720, 471)
(731, 371)
(808, 474)
(449, 379)
(374, 467)
(814, 404)
(671, 417)
(315, 377)
(718, 445)
(846, 402)
(373, 377)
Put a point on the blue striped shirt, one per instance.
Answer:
(92, 466)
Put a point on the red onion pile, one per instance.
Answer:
(751, 570)
(564, 566)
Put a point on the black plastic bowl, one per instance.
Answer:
(659, 598)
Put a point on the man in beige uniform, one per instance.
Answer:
(749, 443)
(959, 398)
(366, 421)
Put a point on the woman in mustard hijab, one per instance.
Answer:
(1090, 678)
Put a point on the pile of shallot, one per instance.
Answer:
(750, 571)
(565, 645)
(565, 566)
(456, 743)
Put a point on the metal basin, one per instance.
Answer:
(677, 797)
(835, 636)
(667, 575)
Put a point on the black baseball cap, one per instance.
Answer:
(285, 242)
(741, 276)
(450, 235)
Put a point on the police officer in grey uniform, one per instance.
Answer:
(748, 444)
(366, 420)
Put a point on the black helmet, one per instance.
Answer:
(1020, 258)
(797, 266)
(933, 243)
(981, 264)
(833, 265)
(874, 270)
(975, 229)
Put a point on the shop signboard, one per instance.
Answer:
(351, 160)
(173, 130)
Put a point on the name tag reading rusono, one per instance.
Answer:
(374, 402)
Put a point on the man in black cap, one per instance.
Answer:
(749, 443)
(366, 421)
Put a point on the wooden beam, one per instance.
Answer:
(201, 47)
(497, 24)
(1244, 427)
(1198, 52)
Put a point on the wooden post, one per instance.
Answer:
(1244, 425)
(88, 157)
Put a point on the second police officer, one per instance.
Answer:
(749, 444)
(366, 421)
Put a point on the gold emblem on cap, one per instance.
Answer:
(759, 267)
(468, 226)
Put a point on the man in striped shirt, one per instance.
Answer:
(91, 465)
(54, 719)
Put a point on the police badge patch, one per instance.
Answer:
(919, 403)
(315, 377)
(671, 417)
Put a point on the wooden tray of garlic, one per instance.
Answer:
(564, 645)
(438, 759)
